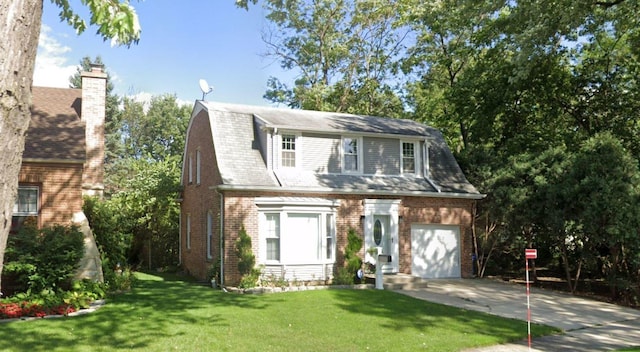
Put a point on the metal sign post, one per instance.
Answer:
(529, 253)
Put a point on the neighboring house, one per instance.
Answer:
(63, 154)
(299, 180)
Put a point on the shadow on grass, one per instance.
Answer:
(129, 320)
(405, 312)
(165, 310)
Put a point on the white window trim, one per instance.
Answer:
(209, 235)
(27, 213)
(315, 207)
(263, 237)
(298, 150)
(198, 166)
(416, 164)
(330, 228)
(359, 154)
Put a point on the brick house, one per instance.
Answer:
(63, 155)
(299, 180)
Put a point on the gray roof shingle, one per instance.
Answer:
(55, 130)
(241, 163)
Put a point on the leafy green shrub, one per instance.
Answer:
(249, 275)
(121, 281)
(352, 259)
(251, 279)
(113, 243)
(43, 259)
(343, 277)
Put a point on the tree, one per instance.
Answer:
(20, 22)
(448, 40)
(343, 52)
(148, 211)
(155, 134)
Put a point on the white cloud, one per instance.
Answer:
(51, 68)
(146, 97)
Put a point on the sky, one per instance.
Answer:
(181, 42)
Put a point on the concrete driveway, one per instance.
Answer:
(588, 325)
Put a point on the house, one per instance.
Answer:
(63, 157)
(298, 181)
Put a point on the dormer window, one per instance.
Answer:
(408, 158)
(288, 157)
(351, 155)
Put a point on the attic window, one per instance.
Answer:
(351, 155)
(288, 150)
(408, 158)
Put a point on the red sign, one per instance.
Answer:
(530, 253)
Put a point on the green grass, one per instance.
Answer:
(169, 314)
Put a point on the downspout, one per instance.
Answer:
(180, 238)
(425, 167)
(221, 198)
(274, 148)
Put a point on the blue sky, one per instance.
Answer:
(181, 42)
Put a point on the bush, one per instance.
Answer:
(343, 276)
(37, 260)
(249, 275)
(251, 279)
(112, 242)
(353, 261)
(120, 281)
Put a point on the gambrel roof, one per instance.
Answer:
(240, 152)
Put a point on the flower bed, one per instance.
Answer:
(29, 309)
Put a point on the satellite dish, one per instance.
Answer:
(205, 88)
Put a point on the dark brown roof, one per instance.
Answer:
(55, 131)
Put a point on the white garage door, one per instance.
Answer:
(435, 251)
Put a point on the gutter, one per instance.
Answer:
(475, 196)
(53, 161)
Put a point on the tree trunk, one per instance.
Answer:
(19, 29)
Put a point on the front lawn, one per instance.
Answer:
(165, 313)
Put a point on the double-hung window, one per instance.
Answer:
(351, 154)
(296, 231)
(272, 234)
(408, 158)
(26, 205)
(330, 236)
(288, 147)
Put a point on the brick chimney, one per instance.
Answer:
(94, 92)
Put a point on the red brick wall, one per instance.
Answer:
(240, 209)
(60, 190)
(199, 199)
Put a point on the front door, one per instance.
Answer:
(386, 241)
